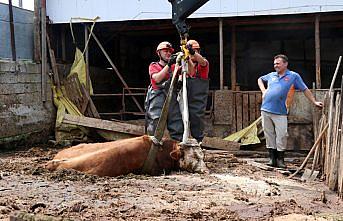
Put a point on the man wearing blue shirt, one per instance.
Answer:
(273, 109)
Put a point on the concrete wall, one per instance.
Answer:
(23, 32)
(24, 118)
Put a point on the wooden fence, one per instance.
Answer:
(237, 109)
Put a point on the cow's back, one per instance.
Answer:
(114, 158)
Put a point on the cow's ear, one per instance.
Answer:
(175, 154)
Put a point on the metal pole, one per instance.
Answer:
(317, 47)
(233, 58)
(10, 9)
(221, 60)
(44, 51)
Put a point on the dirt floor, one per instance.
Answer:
(234, 190)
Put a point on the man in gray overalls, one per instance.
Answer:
(160, 73)
(197, 89)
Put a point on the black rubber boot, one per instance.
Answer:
(272, 157)
(280, 161)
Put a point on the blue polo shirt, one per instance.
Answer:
(275, 98)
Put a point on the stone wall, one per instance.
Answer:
(24, 118)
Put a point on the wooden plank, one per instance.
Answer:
(91, 107)
(53, 63)
(104, 124)
(252, 107)
(234, 116)
(233, 58)
(221, 55)
(340, 175)
(333, 178)
(72, 91)
(340, 146)
(239, 111)
(36, 32)
(245, 110)
(258, 103)
(222, 100)
(219, 143)
(317, 50)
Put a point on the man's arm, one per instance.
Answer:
(159, 76)
(310, 96)
(200, 59)
(261, 86)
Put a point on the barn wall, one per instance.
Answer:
(24, 117)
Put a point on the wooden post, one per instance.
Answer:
(36, 33)
(87, 59)
(53, 64)
(10, 10)
(63, 43)
(317, 47)
(221, 60)
(44, 51)
(233, 58)
(330, 120)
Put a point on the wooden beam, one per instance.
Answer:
(104, 124)
(317, 48)
(44, 51)
(53, 63)
(233, 58)
(36, 33)
(63, 43)
(221, 59)
(86, 58)
(219, 143)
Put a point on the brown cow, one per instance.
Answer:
(125, 156)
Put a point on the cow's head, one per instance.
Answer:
(190, 157)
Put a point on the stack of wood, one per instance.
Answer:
(332, 153)
(328, 147)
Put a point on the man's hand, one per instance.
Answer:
(319, 104)
(172, 60)
(190, 49)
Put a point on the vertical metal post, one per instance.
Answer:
(221, 60)
(10, 9)
(44, 51)
(36, 33)
(317, 48)
(20, 3)
(233, 58)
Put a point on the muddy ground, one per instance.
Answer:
(233, 190)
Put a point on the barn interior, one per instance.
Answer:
(249, 44)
